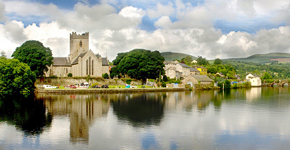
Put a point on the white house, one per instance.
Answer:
(254, 79)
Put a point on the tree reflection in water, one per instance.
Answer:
(139, 110)
(26, 113)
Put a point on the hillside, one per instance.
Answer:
(265, 58)
(169, 56)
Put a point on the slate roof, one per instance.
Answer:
(194, 70)
(77, 58)
(184, 65)
(61, 61)
(169, 62)
(105, 62)
(202, 78)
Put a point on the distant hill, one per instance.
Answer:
(265, 58)
(169, 56)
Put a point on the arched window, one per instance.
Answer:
(81, 43)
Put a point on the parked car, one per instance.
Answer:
(105, 86)
(96, 86)
(73, 86)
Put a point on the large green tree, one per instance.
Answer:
(35, 55)
(140, 64)
(15, 76)
(202, 61)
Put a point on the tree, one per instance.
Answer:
(187, 60)
(141, 64)
(202, 61)
(35, 55)
(217, 61)
(105, 76)
(266, 75)
(15, 76)
(69, 75)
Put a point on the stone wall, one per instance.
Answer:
(70, 81)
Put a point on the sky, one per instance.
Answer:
(207, 28)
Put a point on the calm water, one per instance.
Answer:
(258, 118)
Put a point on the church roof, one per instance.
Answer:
(61, 61)
(77, 58)
(105, 62)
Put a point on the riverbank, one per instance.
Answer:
(104, 90)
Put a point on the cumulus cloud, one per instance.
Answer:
(180, 27)
(2, 11)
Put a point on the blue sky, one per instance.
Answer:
(208, 28)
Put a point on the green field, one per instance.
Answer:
(169, 56)
(262, 58)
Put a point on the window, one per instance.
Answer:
(81, 43)
(87, 67)
(92, 67)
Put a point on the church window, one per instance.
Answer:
(87, 67)
(92, 67)
(81, 44)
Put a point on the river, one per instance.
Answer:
(257, 118)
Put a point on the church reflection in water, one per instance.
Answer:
(83, 110)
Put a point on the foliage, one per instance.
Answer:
(128, 81)
(35, 55)
(247, 84)
(16, 76)
(105, 76)
(227, 84)
(112, 75)
(69, 75)
(140, 64)
(165, 78)
(202, 61)
(217, 61)
(88, 78)
(266, 75)
(163, 84)
(187, 60)
(94, 84)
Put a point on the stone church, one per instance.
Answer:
(81, 61)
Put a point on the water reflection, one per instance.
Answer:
(140, 109)
(256, 118)
(26, 113)
(83, 110)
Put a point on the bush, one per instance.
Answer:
(105, 76)
(163, 84)
(128, 81)
(247, 84)
(227, 84)
(187, 85)
(112, 75)
(94, 84)
(165, 78)
(269, 80)
(69, 75)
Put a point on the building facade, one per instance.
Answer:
(81, 61)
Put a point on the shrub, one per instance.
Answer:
(105, 76)
(69, 75)
(187, 85)
(112, 75)
(94, 84)
(128, 81)
(165, 78)
(163, 84)
(227, 84)
(247, 84)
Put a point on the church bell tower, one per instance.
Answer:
(79, 43)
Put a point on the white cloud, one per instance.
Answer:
(161, 10)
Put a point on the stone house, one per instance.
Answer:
(203, 70)
(171, 66)
(194, 71)
(254, 79)
(81, 61)
(197, 79)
